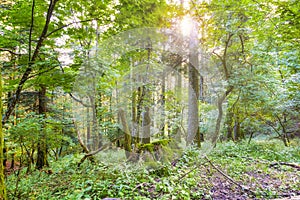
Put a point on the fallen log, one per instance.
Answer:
(293, 165)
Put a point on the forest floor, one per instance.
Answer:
(266, 171)
(260, 170)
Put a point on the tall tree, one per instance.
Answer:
(193, 70)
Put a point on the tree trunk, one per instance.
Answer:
(88, 129)
(229, 120)
(42, 144)
(140, 98)
(178, 94)
(127, 135)
(193, 112)
(146, 126)
(2, 181)
(163, 130)
(134, 116)
(237, 131)
(201, 97)
(220, 115)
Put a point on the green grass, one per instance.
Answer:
(190, 178)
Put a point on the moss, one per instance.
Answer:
(163, 142)
(146, 147)
(151, 147)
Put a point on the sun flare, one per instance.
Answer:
(186, 25)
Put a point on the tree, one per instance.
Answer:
(193, 68)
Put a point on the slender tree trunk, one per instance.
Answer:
(237, 130)
(284, 134)
(163, 102)
(228, 122)
(12, 166)
(134, 116)
(97, 139)
(140, 101)
(99, 117)
(146, 126)
(88, 129)
(42, 144)
(2, 181)
(228, 91)
(201, 97)
(220, 115)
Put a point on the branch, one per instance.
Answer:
(85, 148)
(220, 57)
(10, 51)
(293, 165)
(79, 101)
(227, 44)
(225, 55)
(45, 30)
(66, 25)
(31, 29)
(243, 46)
(92, 153)
(229, 178)
(271, 125)
(40, 73)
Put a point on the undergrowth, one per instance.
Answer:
(189, 177)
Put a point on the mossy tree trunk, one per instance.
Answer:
(2, 181)
(127, 135)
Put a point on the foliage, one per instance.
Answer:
(129, 181)
(248, 50)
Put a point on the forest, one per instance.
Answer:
(150, 99)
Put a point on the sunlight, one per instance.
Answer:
(186, 25)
